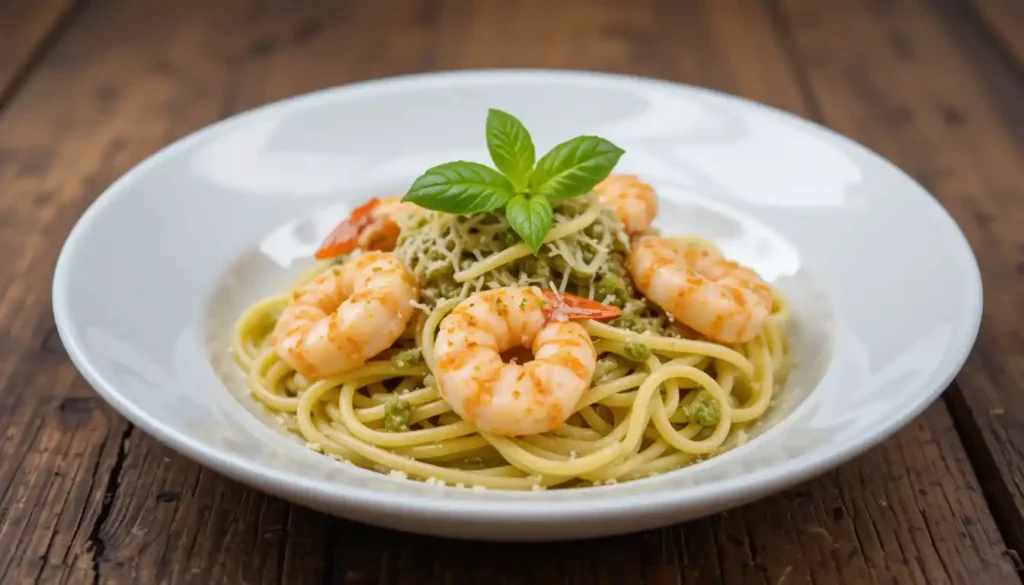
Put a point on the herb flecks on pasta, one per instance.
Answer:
(551, 336)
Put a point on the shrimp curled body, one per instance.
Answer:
(633, 201)
(717, 297)
(346, 315)
(511, 399)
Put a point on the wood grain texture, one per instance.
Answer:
(25, 28)
(842, 528)
(123, 64)
(84, 498)
(1005, 18)
(927, 90)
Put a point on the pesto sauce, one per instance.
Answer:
(609, 283)
(704, 410)
(396, 414)
(409, 357)
(637, 351)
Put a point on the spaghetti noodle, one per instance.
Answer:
(661, 397)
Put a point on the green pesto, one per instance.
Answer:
(704, 410)
(396, 414)
(637, 351)
(641, 316)
(436, 246)
(611, 285)
(409, 357)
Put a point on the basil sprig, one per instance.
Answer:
(523, 187)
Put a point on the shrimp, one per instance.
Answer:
(373, 225)
(346, 315)
(513, 399)
(718, 298)
(632, 200)
(715, 297)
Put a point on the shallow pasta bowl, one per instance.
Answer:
(155, 273)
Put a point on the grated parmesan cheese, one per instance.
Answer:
(418, 305)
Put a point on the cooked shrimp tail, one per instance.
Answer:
(371, 226)
(567, 307)
(344, 238)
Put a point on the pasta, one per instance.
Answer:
(661, 396)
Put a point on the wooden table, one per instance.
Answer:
(89, 89)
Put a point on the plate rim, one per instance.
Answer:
(270, 478)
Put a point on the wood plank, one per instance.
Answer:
(173, 522)
(25, 28)
(841, 528)
(1005, 18)
(53, 474)
(128, 78)
(926, 90)
(909, 511)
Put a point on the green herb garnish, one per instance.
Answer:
(531, 218)
(523, 188)
(511, 147)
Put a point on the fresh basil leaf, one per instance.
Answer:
(511, 147)
(573, 167)
(530, 217)
(460, 187)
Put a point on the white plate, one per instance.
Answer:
(885, 290)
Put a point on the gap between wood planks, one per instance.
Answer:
(99, 545)
(40, 26)
(1003, 21)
